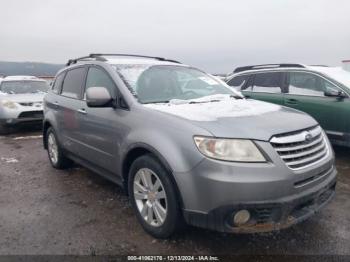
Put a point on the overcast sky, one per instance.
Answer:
(215, 35)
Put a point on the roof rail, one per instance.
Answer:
(99, 57)
(141, 56)
(91, 56)
(320, 65)
(265, 66)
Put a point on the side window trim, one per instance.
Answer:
(83, 83)
(246, 82)
(249, 83)
(313, 73)
(284, 83)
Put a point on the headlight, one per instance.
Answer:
(239, 150)
(9, 104)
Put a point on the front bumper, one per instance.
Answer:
(267, 216)
(27, 117)
(275, 195)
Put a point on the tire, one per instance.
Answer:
(55, 152)
(146, 197)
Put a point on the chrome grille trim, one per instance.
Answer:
(318, 140)
(305, 153)
(296, 137)
(301, 149)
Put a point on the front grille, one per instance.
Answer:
(31, 114)
(37, 104)
(26, 104)
(302, 148)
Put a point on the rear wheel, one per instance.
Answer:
(55, 152)
(153, 197)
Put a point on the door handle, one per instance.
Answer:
(292, 101)
(82, 111)
(55, 105)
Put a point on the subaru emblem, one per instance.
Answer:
(308, 136)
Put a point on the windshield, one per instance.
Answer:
(163, 83)
(23, 87)
(337, 73)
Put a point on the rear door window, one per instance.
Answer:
(73, 83)
(268, 82)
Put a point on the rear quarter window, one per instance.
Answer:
(56, 87)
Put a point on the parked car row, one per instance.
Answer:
(186, 147)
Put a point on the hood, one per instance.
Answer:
(231, 118)
(22, 98)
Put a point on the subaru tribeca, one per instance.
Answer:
(186, 147)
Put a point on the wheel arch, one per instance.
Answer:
(139, 149)
(46, 126)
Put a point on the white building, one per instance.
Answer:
(346, 65)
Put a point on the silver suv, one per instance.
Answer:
(21, 99)
(186, 147)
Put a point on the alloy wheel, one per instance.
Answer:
(52, 148)
(150, 197)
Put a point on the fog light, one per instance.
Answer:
(241, 217)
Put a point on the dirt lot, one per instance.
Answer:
(45, 211)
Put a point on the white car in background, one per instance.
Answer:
(21, 101)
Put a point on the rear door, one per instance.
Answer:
(51, 100)
(267, 86)
(306, 92)
(69, 104)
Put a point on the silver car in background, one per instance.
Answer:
(21, 101)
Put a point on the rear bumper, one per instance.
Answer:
(267, 215)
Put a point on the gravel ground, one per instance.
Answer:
(46, 211)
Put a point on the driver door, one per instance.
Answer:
(99, 126)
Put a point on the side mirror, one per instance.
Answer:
(98, 97)
(335, 93)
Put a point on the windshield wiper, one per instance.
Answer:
(201, 102)
(194, 101)
(236, 97)
(157, 102)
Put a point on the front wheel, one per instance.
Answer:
(153, 197)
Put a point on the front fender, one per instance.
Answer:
(175, 148)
